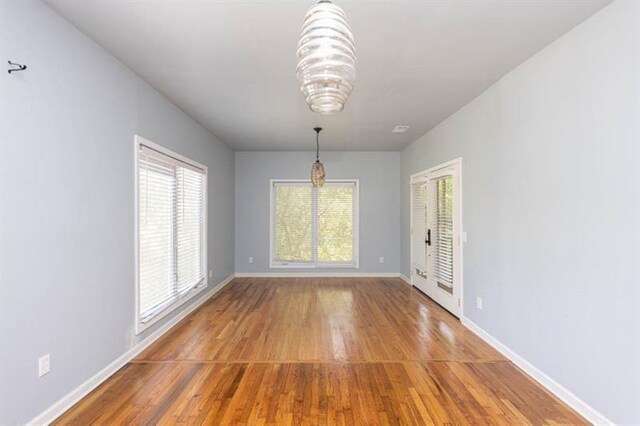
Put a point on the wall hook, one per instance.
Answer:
(20, 67)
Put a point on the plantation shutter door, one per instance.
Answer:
(419, 225)
(292, 223)
(337, 222)
(443, 230)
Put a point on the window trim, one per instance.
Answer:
(180, 298)
(273, 264)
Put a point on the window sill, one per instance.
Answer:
(291, 266)
(318, 266)
(143, 325)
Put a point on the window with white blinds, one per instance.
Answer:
(419, 225)
(443, 215)
(171, 238)
(314, 227)
(293, 223)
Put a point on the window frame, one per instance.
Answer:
(315, 264)
(180, 298)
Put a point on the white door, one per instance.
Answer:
(436, 219)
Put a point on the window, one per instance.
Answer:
(314, 227)
(443, 227)
(171, 231)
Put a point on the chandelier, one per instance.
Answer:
(326, 58)
(317, 169)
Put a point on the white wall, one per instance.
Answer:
(66, 204)
(379, 175)
(551, 206)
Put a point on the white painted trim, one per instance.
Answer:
(406, 279)
(169, 153)
(421, 175)
(170, 307)
(66, 402)
(317, 274)
(584, 409)
(140, 142)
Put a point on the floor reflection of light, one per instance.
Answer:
(447, 331)
(423, 321)
(336, 301)
(425, 344)
(337, 306)
(338, 348)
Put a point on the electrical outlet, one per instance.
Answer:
(210, 273)
(381, 259)
(479, 302)
(464, 237)
(251, 260)
(44, 365)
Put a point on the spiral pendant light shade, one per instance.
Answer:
(326, 58)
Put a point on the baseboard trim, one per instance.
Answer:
(584, 409)
(316, 274)
(405, 279)
(66, 402)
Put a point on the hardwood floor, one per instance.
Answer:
(368, 351)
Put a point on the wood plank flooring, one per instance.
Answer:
(366, 351)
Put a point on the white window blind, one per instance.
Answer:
(419, 224)
(171, 230)
(314, 227)
(293, 223)
(335, 207)
(443, 238)
(189, 239)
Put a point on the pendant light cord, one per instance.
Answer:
(317, 129)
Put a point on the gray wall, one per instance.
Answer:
(66, 207)
(379, 174)
(551, 206)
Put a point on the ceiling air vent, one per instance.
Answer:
(400, 129)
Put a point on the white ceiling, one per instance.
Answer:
(231, 64)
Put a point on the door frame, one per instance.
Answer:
(458, 267)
